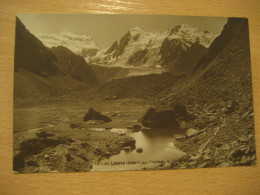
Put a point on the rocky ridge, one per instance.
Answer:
(220, 98)
(42, 73)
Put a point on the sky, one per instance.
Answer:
(105, 29)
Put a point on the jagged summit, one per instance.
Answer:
(136, 34)
(138, 48)
(135, 31)
(190, 34)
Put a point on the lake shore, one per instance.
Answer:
(68, 153)
(70, 145)
(73, 145)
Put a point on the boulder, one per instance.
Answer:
(94, 115)
(191, 132)
(159, 119)
(44, 134)
(238, 153)
(129, 143)
(166, 118)
(139, 150)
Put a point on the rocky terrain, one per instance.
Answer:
(221, 101)
(74, 66)
(147, 86)
(202, 90)
(43, 74)
(75, 151)
(185, 64)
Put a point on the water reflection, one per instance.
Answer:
(157, 145)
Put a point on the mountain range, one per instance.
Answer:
(208, 75)
(82, 45)
(62, 66)
(167, 51)
(43, 73)
(48, 65)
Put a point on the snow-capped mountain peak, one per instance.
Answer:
(190, 34)
(138, 48)
(79, 44)
(137, 33)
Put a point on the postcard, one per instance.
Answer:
(131, 92)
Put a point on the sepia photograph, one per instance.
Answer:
(105, 92)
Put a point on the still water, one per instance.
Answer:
(156, 144)
(157, 148)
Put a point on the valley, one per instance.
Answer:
(179, 99)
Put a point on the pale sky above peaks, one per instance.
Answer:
(107, 28)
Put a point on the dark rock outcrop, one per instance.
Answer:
(165, 118)
(139, 150)
(95, 115)
(112, 48)
(43, 134)
(171, 50)
(35, 146)
(74, 65)
(188, 60)
(129, 143)
(160, 119)
(31, 54)
(118, 49)
(138, 57)
(232, 30)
